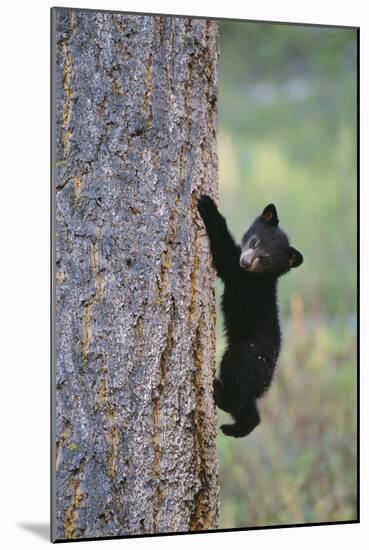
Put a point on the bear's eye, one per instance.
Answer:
(264, 260)
(253, 242)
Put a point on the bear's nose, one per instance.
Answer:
(245, 263)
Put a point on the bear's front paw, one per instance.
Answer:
(205, 205)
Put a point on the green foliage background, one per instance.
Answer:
(287, 134)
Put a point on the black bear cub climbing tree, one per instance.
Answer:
(134, 148)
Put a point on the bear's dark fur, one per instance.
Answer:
(249, 303)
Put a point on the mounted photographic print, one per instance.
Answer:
(204, 267)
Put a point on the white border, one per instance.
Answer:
(25, 265)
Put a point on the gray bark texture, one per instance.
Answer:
(135, 146)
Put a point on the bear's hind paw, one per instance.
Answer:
(236, 430)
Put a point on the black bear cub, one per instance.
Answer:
(250, 273)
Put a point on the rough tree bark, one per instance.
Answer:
(134, 132)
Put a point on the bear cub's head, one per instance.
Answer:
(265, 248)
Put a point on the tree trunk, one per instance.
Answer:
(134, 357)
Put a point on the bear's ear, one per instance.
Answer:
(270, 215)
(295, 258)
